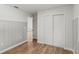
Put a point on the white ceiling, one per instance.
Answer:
(33, 8)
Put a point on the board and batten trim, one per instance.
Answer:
(12, 46)
(13, 20)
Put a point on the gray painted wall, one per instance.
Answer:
(35, 26)
(11, 13)
(12, 26)
(76, 34)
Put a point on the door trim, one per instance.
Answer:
(65, 27)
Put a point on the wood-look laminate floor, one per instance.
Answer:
(37, 48)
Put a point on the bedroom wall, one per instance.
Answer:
(13, 26)
(35, 26)
(69, 17)
(76, 32)
(11, 13)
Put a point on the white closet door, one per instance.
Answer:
(45, 29)
(48, 30)
(59, 30)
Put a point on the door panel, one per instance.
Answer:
(59, 30)
(48, 33)
(30, 28)
(45, 27)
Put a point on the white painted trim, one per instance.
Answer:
(77, 52)
(57, 46)
(13, 20)
(45, 43)
(12, 47)
(70, 50)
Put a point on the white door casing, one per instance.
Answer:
(59, 30)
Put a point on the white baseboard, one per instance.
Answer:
(12, 47)
(64, 48)
(44, 43)
(70, 50)
(76, 52)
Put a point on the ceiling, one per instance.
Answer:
(33, 8)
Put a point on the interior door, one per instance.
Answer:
(59, 30)
(45, 29)
(48, 29)
(30, 28)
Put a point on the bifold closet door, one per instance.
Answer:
(59, 30)
(45, 30)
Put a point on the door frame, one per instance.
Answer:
(65, 28)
